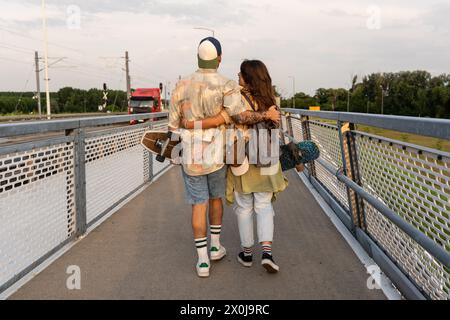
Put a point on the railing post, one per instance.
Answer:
(80, 181)
(289, 124)
(150, 159)
(306, 137)
(351, 170)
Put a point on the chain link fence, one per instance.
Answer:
(412, 181)
(53, 189)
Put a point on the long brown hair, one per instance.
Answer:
(259, 83)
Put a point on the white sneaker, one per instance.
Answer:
(203, 269)
(218, 254)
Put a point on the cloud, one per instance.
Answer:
(320, 42)
(438, 18)
(219, 12)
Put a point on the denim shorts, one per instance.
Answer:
(199, 189)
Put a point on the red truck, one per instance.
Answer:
(144, 100)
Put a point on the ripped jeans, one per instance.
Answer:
(261, 204)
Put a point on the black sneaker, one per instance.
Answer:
(268, 263)
(246, 261)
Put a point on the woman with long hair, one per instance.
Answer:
(251, 187)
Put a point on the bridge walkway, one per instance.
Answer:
(145, 251)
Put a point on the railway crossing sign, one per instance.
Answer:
(105, 98)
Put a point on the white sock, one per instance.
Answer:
(215, 236)
(202, 250)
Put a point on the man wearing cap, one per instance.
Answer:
(206, 94)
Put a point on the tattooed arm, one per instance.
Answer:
(249, 117)
(252, 117)
(246, 117)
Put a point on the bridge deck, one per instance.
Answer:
(146, 251)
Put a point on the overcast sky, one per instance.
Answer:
(321, 43)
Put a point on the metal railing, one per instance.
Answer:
(393, 196)
(53, 188)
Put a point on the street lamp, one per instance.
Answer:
(293, 91)
(207, 29)
(384, 93)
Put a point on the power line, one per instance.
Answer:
(99, 72)
(117, 91)
(157, 77)
(13, 60)
(16, 33)
(145, 79)
(39, 40)
(14, 49)
(83, 64)
(160, 77)
(15, 46)
(91, 75)
(24, 89)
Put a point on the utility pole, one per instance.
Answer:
(38, 84)
(127, 71)
(47, 90)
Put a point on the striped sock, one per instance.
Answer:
(247, 251)
(267, 248)
(202, 250)
(215, 236)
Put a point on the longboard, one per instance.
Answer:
(167, 144)
(164, 144)
(294, 155)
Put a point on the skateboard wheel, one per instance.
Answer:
(160, 158)
(159, 143)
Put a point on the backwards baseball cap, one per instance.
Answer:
(209, 51)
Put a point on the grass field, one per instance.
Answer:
(430, 142)
(27, 117)
(434, 143)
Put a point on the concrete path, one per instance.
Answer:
(146, 251)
